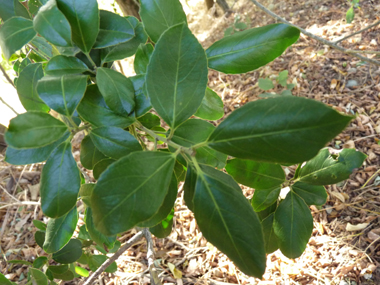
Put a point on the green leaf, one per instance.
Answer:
(85, 193)
(71, 252)
(265, 213)
(52, 24)
(327, 168)
(160, 231)
(94, 110)
(251, 49)
(142, 57)
(3, 279)
(283, 77)
(270, 238)
(11, 8)
(350, 15)
(97, 236)
(20, 64)
(60, 182)
(89, 154)
(84, 258)
(33, 130)
(40, 261)
(177, 93)
(160, 15)
(34, 6)
(228, 221)
(286, 93)
(113, 30)
(63, 93)
(59, 269)
(39, 225)
(293, 225)
(82, 271)
(23, 262)
(38, 276)
(166, 206)
(114, 142)
(211, 107)
(131, 190)
(263, 198)
(61, 272)
(311, 194)
(150, 121)
(117, 90)
(42, 47)
(32, 155)
(189, 187)
(265, 84)
(142, 100)
(14, 34)
(265, 130)
(241, 26)
(229, 31)
(26, 88)
(258, 175)
(128, 48)
(59, 231)
(101, 166)
(83, 17)
(62, 65)
(95, 261)
(39, 237)
(195, 131)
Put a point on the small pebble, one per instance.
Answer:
(352, 83)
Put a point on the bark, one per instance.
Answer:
(129, 8)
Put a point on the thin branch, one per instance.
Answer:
(10, 107)
(322, 40)
(7, 76)
(154, 280)
(121, 250)
(358, 32)
(20, 204)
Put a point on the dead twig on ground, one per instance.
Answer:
(150, 255)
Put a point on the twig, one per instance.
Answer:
(358, 32)
(363, 51)
(7, 76)
(9, 106)
(154, 280)
(121, 250)
(23, 203)
(322, 40)
(9, 194)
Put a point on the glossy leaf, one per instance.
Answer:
(270, 238)
(4, 280)
(82, 271)
(42, 47)
(14, 34)
(85, 193)
(117, 90)
(59, 231)
(63, 93)
(311, 194)
(150, 120)
(62, 65)
(160, 15)
(89, 154)
(265, 130)
(94, 110)
(101, 166)
(142, 100)
(328, 168)
(34, 6)
(39, 225)
(12, 8)
(59, 269)
(60, 182)
(228, 221)
(258, 175)
(83, 17)
(95, 261)
(189, 187)
(39, 237)
(40, 261)
(142, 57)
(195, 131)
(161, 231)
(20, 64)
(166, 206)
(61, 272)
(113, 30)
(177, 77)
(250, 49)
(97, 236)
(128, 48)
(52, 24)
(293, 225)
(71, 252)
(131, 190)
(27, 88)
(263, 198)
(265, 213)
(38, 276)
(211, 107)
(114, 142)
(33, 130)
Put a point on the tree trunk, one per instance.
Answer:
(129, 8)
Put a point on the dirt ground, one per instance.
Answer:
(344, 248)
